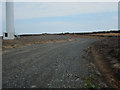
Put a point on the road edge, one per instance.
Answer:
(104, 68)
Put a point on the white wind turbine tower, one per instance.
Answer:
(10, 31)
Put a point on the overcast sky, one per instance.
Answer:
(64, 17)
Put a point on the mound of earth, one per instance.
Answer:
(106, 54)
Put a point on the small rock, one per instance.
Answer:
(33, 86)
(117, 65)
(98, 73)
(48, 84)
(114, 61)
(61, 80)
(77, 79)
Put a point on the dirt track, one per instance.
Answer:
(48, 65)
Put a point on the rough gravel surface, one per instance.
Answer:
(51, 65)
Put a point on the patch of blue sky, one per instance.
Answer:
(84, 18)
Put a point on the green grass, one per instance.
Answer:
(89, 82)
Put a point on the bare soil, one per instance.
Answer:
(30, 40)
(106, 55)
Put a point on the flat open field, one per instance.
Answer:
(96, 35)
(107, 34)
(30, 40)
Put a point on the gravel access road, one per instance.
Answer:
(51, 65)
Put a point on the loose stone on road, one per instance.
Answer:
(51, 65)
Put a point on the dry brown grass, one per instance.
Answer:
(84, 36)
(107, 34)
(25, 41)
